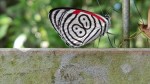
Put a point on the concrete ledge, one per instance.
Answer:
(74, 66)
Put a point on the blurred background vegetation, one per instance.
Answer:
(25, 23)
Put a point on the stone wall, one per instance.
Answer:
(75, 66)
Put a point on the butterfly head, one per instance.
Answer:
(108, 23)
(108, 19)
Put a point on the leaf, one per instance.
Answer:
(4, 24)
(3, 31)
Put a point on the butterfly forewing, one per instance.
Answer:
(78, 27)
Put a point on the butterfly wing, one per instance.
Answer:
(77, 27)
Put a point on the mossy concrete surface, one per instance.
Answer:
(75, 66)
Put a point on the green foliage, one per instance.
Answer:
(25, 23)
(4, 23)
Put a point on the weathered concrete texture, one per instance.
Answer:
(74, 66)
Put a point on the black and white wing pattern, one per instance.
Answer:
(78, 27)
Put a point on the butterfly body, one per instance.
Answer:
(78, 27)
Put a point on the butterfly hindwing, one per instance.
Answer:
(77, 27)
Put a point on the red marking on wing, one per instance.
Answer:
(98, 17)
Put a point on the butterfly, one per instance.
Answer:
(78, 27)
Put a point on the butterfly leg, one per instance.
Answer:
(109, 40)
(99, 39)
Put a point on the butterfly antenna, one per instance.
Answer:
(99, 5)
(98, 2)
(138, 12)
(115, 10)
